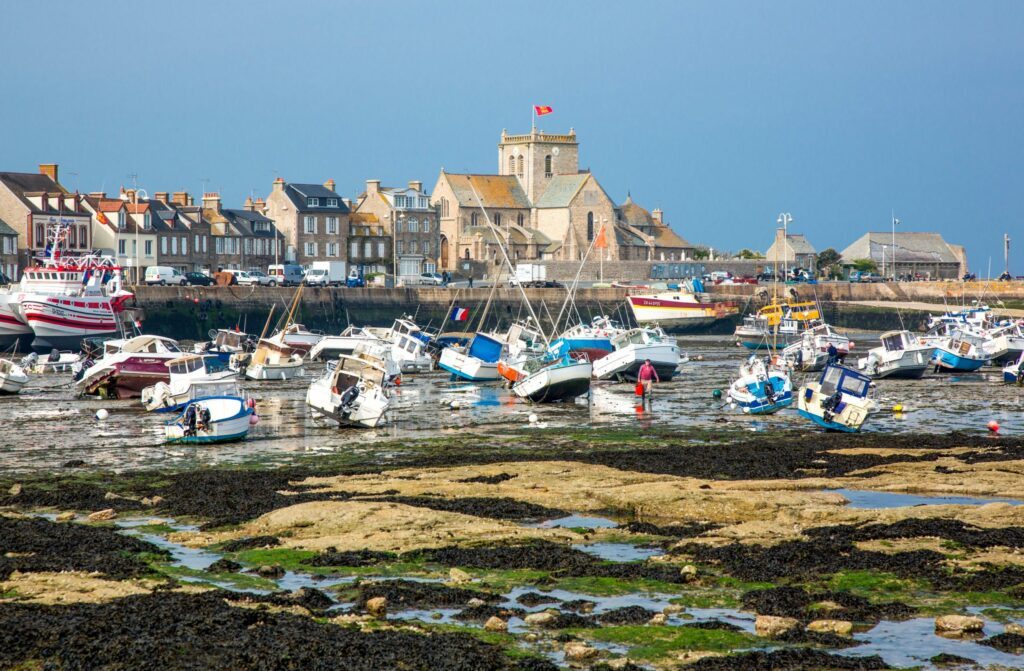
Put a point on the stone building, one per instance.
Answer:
(8, 254)
(661, 242)
(122, 229)
(312, 218)
(262, 243)
(792, 250)
(406, 217)
(923, 254)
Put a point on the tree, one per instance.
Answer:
(865, 265)
(749, 254)
(701, 252)
(828, 262)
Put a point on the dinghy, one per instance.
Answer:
(301, 339)
(902, 355)
(12, 377)
(763, 387)
(351, 392)
(632, 348)
(213, 419)
(838, 400)
(192, 376)
(560, 380)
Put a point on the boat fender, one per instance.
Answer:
(250, 403)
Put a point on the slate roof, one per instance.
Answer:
(910, 248)
(496, 191)
(21, 183)
(5, 229)
(298, 193)
(798, 244)
(243, 221)
(561, 190)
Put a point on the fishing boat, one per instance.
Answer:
(1014, 372)
(128, 366)
(12, 329)
(962, 352)
(838, 400)
(680, 308)
(477, 361)
(301, 339)
(192, 376)
(331, 347)
(213, 419)
(632, 348)
(763, 387)
(1005, 343)
(352, 392)
(901, 355)
(776, 324)
(224, 343)
(12, 377)
(551, 381)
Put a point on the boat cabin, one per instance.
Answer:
(230, 339)
(349, 371)
(897, 341)
(195, 365)
(846, 380)
(143, 344)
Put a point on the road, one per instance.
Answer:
(938, 308)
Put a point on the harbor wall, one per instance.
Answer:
(954, 293)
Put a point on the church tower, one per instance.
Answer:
(537, 157)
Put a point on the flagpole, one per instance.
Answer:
(533, 118)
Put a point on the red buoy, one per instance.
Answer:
(993, 426)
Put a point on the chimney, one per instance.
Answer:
(415, 184)
(372, 186)
(249, 204)
(329, 184)
(161, 196)
(180, 198)
(211, 201)
(279, 184)
(191, 201)
(657, 215)
(98, 194)
(129, 195)
(48, 169)
(260, 206)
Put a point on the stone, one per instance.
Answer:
(658, 619)
(688, 573)
(270, 572)
(958, 624)
(102, 515)
(436, 616)
(576, 651)
(152, 500)
(1014, 628)
(539, 619)
(839, 627)
(672, 609)
(65, 516)
(770, 626)
(458, 577)
(475, 602)
(377, 606)
(15, 489)
(531, 638)
(495, 623)
(111, 496)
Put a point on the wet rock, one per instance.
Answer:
(311, 598)
(457, 576)
(797, 602)
(102, 515)
(436, 616)
(672, 609)
(73, 463)
(152, 500)
(65, 516)
(771, 626)
(224, 565)
(714, 624)
(958, 624)
(838, 627)
(495, 623)
(931, 527)
(405, 594)
(578, 652)
(531, 599)
(579, 605)
(1015, 628)
(688, 573)
(626, 615)
(377, 606)
(1006, 642)
(271, 572)
(788, 660)
(350, 558)
(484, 612)
(658, 619)
(571, 621)
(542, 619)
(474, 602)
(946, 660)
(490, 479)
(688, 530)
(15, 489)
(64, 494)
(491, 508)
(251, 543)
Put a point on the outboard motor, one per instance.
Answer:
(349, 396)
(54, 355)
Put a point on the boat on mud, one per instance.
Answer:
(963, 352)
(1014, 373)
(192, 377)
(838, 401)
(225, 343)
(56, 361)
(776, 324)
(272, 360)
(901, 355)
(212, 419)
(551, 381)
(476, 361)
(409, 344)
(634, 346)
(12, 377)
(1005, 343)
(128, 366)
(593, 340)
(301, 339)
(763, 387)
(680, 308)
(331, 347)
(352, 392)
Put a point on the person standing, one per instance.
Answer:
(647, 376)
(470, 281)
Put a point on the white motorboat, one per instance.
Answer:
(301, 339)
(962, 352)
(272, 360)
(409, 347)
(1014, 372)
(902, 355)
(128, 366)
(352, 392)
(763, 387)
(192, 376)
(560, 380)
(330, 347)
(838, 400)
(632, 348)
(1005, 343)
(12, 377)
(476, 361)
(55, 362)
(215, 419)
(224, 343)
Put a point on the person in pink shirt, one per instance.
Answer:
(647, 376)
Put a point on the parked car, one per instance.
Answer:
(354, 280)
(433, 279)
(285, 274)
(199, 279)
(969, 277)
(253, 278)
(164, 275)
(864, 276)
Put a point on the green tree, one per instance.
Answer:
(701, 252)
(865, 265)
(828, 262)
(749, 254)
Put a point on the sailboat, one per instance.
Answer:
(549, 381)
(272, 359)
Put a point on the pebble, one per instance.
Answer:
(377, 606)
(688, 572)
(475, 602)
(773, 625)
(1014, 628)
(102, 515)
(958, 624)
(152, 500)
(270, 571)
(495, 623)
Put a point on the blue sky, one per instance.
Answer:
(721, 113)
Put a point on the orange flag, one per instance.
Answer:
(541, 110)
(102, 218)
(601, 242)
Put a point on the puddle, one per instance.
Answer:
(913, 642)
(576, 522)
(619, 552)
(862, 498)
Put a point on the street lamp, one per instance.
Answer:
(892, 251)
(784, 220)
(138, 266)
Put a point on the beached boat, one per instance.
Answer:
(477, 361)
(1005, 343)
(776, 324)
(409, 347)
(553, 381)
(301, 339)
(272, 360)
(192, 376)
(224, 343)
(838, 401)
(902, 355)
(331, 347)
(12, 329)
(762, 388)
(55, 362)
(635, 346)
(12, 377)
(1014, 372)
(680, 309)
(352, 392)
(215, 419)
(128, 366)
(593, 340)
(962, 352)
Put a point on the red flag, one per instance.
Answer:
(541, 110)
(601, 242)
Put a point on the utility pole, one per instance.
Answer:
(1006, 253)
(895, 223)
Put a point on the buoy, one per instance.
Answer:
(454, 405)
(852, 344)
(254, 419)
(700, 357)
(532, 418)
(250, 403)
(993, 426)
(897, 408)
(716, 393)
(102, 414)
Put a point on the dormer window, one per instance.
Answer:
(399, 201)
(147, 223)
(332, 202)
(122, 220)
(313, 202)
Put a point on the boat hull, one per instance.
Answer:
(367, 411)
(62, 322)
(264, 371)
(556, 383)
(12, 328)
(948, 361)
(467, 367)
(125, 379)
(624, 364)
(231, 422)
(679, 316)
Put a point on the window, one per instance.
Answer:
(332, 225)
(398, 225)
(353, 249)
(400, 247)
(519, 169)
(247, 245)
(472, 219)
(122, 220)
(421, 202)
(218, 245)
(149, 248)
(511, 165)
(310, 224)
(135, 248)
(147, 221)
(120, 247)
(311, 249)
(547, 166)
(72, 237)
(184, 245)
(204, 244)
(399, 201)
(313, 202)
(330, 249)
(413, 247)
(466, 255)
(83, 237)
(590, 226)
(174, 245)
(444, 207)
(414, 225)
(380, 249)
(497, 218)
(163, 246)
(426, 247)
(426, 225)
(368, 249)
(332, 202)
(519, 219)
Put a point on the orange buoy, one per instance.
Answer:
(993, 426)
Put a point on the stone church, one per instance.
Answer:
(544, 207)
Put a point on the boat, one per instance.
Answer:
(56, 361)
(552, 381)
(1014, 372)
(632, 348)
(224, 343)
(13, 331)
(523, 342)
(272, 360)
(301, 339)
(1005, 343)
(776, 324)
(593, 340)
(961, 353)
(330, 347)
(212, 419)
(12, 377)
(192, 376)
(476, 361)
(977, 315)
(409, 347)
(680, 309)
(763, 387)
(128, 366)
(811, 351)
(838, 400)
(901, 355)
(352, 392)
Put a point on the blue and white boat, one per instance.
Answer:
(763, 387)
(1014, 373)
(963, 352)
(215, 419)
(224, 343)
(549, 382)
(838, 400)
(192, 376)
(476, 361)
(594, 340)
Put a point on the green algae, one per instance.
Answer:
(651, 643)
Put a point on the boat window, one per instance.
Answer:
(854, 385)
(829, 381)
(410, 346)
(893, 343)
(177, 369)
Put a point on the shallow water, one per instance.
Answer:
(63, 427)
(862, 498)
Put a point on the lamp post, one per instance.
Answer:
(892, 253)
(784, 220)
(138, 265)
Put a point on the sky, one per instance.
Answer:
(722, 113)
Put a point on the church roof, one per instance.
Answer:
(634, 215)
(910, 248)
(666, 237)
(561, 190)
(495, 191)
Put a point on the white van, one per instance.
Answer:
(163, 275)
(285, 274)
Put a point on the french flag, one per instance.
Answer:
(460, 314)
